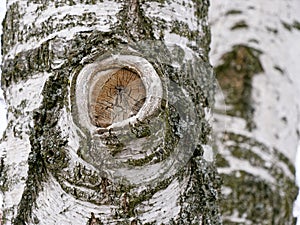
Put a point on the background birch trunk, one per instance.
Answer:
(255, 52)
(161, 172)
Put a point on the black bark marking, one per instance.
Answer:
(47, 144)
(133, 22)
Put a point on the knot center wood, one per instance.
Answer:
(121, 96)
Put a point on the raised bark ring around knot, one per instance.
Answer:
(116, 91)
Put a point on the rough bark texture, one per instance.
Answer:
(47, 174)
(253, 49)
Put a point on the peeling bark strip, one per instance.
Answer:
(108, 103)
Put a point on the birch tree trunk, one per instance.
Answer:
(108, 108)
(255, 52)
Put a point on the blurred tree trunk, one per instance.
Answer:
(56, 171)
(254, 52)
